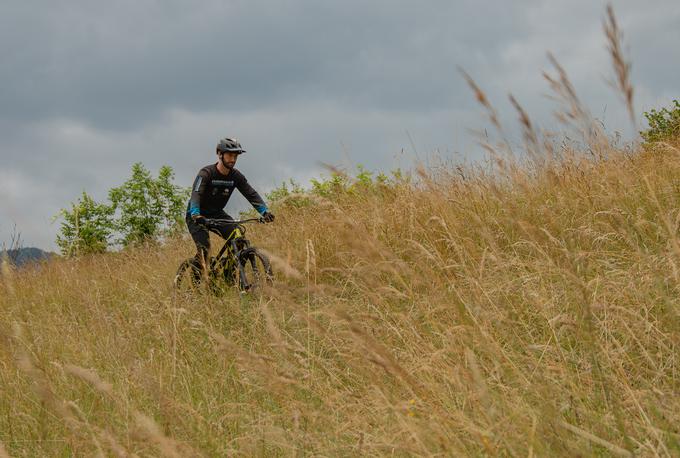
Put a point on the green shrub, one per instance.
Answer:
(147, 207)
(141, 209)
(85, 228)
(290, 194)
(664, 124)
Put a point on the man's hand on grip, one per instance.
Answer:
(199, 219)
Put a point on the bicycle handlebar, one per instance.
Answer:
(235, 221)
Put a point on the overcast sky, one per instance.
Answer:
(88, 87)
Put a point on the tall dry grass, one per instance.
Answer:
(532, 311)
(528, 307)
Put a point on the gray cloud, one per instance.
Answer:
(89, 87)
(117, 65)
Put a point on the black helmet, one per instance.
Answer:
(229, 145)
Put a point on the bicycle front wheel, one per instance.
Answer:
(254, 270)
(188, 276)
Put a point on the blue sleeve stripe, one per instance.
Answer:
(261, 209)
(194, 210)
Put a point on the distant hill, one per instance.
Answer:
(23, 256)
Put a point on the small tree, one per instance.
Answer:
(86, 227)
(147, 207)
(664, 124)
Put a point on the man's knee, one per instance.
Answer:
(200, 236)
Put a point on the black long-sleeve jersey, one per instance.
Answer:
(211, 191)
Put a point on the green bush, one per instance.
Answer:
(664, 124)
(85, 228)
(147, 207)
(141, 209)
(292, 194)
(337, 183)
(364, 181)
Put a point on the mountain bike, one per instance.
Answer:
(236, 264)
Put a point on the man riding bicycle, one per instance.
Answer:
(210, 193)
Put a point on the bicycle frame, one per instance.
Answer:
(231, 247)
(234, 245)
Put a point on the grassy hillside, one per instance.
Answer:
(525, 310)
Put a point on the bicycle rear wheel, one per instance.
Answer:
(255, 271)
(188, 276)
